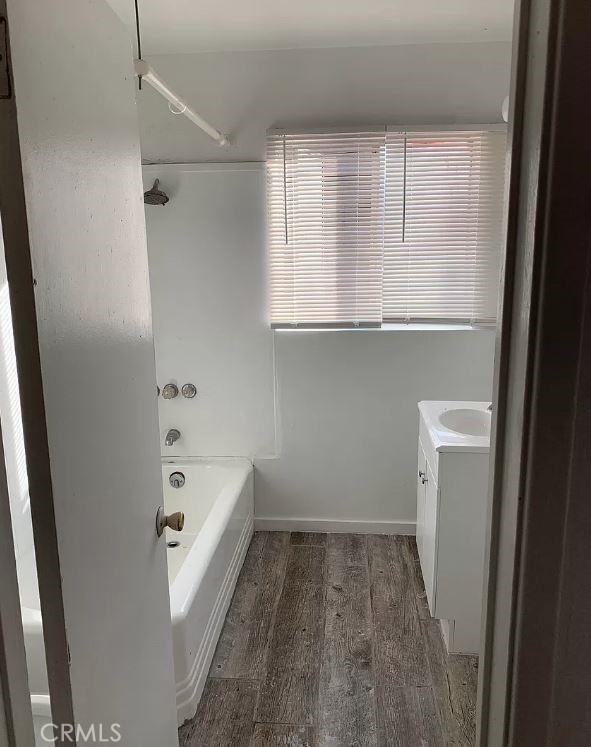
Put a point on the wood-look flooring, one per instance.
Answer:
(328, 642)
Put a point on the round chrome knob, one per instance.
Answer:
(189, 391)
(170, 391)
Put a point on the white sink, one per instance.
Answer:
(457, 426)
(467, 421)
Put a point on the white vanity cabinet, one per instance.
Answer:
(452, 486)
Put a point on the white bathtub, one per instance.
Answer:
(217, 500)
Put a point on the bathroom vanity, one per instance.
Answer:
(452, 488)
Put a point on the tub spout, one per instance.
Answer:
(172, 436)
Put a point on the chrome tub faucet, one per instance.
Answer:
(172, 435)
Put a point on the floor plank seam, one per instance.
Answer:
(374, 668)
(213, 676)
(234, 679)
(325, 582)
(283, 723)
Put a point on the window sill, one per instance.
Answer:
(394, 328)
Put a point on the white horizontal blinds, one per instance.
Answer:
(443, 228)
(490, 219)
(369, 227)
(326, 210)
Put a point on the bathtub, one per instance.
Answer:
(217, 500)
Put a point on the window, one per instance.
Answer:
(367, 228)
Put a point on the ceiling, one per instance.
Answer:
(182, 26)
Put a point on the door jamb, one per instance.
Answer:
(541, 476)
(22, 300)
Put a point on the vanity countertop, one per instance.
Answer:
(457, 426)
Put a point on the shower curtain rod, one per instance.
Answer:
(146, 73)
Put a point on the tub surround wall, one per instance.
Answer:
(207, 272)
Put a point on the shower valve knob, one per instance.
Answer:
(170, 391)
(189, 391)
(174, 521)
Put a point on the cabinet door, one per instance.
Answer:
(429, 541)
(421, 472)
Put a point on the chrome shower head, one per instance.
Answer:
(155, 196)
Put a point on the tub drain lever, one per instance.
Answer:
(174, 521)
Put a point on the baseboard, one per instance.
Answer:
(189, 692)
(333, 526)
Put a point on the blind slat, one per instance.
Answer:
(366, 227)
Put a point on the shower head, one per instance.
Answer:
(155, 196)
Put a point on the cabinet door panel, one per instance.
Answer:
(421, 472)
(429, 541)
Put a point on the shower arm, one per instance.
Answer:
(144, 71)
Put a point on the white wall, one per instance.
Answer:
(346, 417)
(244, 93)
(207, 271)
(348, 421)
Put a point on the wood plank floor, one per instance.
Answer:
(328, 642)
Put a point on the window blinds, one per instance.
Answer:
(326, 208)
(441, 258)
(372, 227)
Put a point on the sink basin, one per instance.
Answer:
(467, 421)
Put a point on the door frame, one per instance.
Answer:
(22, 300)
(538, 594)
